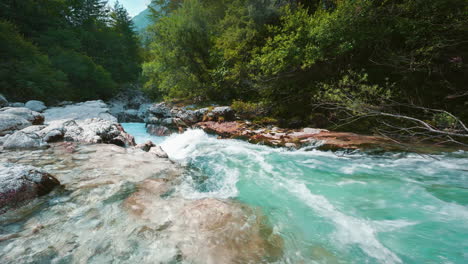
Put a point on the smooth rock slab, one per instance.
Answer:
(79, 111)
(19, 183)
(35, 118)
(10, 123)
(22, 140)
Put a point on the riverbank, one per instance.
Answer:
(163, 119)
(73, 177)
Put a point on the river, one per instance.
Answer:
(326, 207)
(336, 207)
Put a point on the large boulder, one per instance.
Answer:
(191, 117)
(20, 183)
(22, 140)
(97, 130)
(205, 230)
(10, 123)
(31, 116)
(79, 111)
(160, 110)
(35, 105)
(221, 113)
(3, 101)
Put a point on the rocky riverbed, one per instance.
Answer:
(74, 187)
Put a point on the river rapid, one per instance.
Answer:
(336, 207)
(315, 206)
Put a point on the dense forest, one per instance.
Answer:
(316, 63)
(54, 50)
(321, 63)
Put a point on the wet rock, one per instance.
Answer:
(244, 235)
(291, 138)
(19, 183)
(10, 123)
(3, 101)
(35, 105)
(206, 230)
(157, 130)
(146, 146)
(158, 152)
(33, 117)
(224, 129)
(22, 140)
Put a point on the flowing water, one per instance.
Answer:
(320, 207)
(338, 208)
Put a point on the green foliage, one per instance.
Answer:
(354, 92)
(248, 110)
(94, 81)
(24, 71)
(444, 121)
(66, 49)
(180, 53)
(289, 54)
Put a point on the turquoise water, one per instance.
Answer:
(336, 208)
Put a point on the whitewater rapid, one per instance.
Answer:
(336, 208)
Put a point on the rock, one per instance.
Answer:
(157, 130)
(97, 130)
(129, 99)
(35, 105)
(291, 138)
(10, 123)
(245, 236)
(152, 120)
(225, 129)
(221, 113)
(146, 146)
(196, 227)
(160, 110)
(128, 116)
(79, 111)
(33, 129)
(159, 152)
(20, 183)
(22, 140)
(64, 103)
(54, 135)
(33, 117)
(173, 123)
(16, 105)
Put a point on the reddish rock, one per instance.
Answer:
(224, 129)
(293, 138)
(20, 183)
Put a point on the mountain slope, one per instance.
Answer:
(142, 20)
